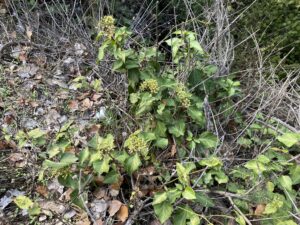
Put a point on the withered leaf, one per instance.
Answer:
(114, 207)
(123, 213)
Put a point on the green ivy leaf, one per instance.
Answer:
(175, 43)
(173, 194)
(286, 222)
(273, 206)
(53, 150)
(183, 174)
(189, 193)
(117, 65)
(163, 211)
(145, 104)
(133, 163)
(196, 45)
(101, 51)
(36, 133)
(256, 166)
(148, 136)
(196, 115)
(240, 220)
(178, 129)
(23, 202)
(102, 166)
(207, 140)
(204, 200)
(66, 160)
(211, 162)
(112, 177)
(295, 174)
(289, 139)
(179, 217)
(99, 143)
(286, 183)
(83, 156)
(162, 143)
(220, 177)
(160, 129)
(159, 198)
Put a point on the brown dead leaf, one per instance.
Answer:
(100, 193)
(52, 206)
(16, 157)
(73, 105)
(28, 32)
(13, 35)
(173, 150)
(99, 180)
(259, 209)
(94, 129)
(42, 190)
(123, 213)
(87, 103)
(8, 119)
(114, 207)
(7, 145)
(148, 171)
(83, 96)
(84, 220)
(155, 222)
(66, 196)
(34, 104)
(99, 222)
(96, 96)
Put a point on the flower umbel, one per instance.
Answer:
(135, 143)
(107, 26)
(150, 85)
(183, 95)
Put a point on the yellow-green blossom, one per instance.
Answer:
(183, 95)
(135, 143)
(107, 26)
(150, 85)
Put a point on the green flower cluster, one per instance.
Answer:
(183, 95)
(150, 85)
(107, 26)
(135, 143)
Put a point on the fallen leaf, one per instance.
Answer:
(27, 71)
(66, 195)
(87, 103)
(15, 157)
(100, 193)
(173, 150)
(34, 104)
(96, 96)
(259, 209)
(99, 222)
(83, 96)
(94, 129)
(71, 213)
(73, 105)
(28, 32)
(52, 206)
(42, 190)
(99, 206)
(114, 207)
(155, 222)
(52, 117)
(83, 220)
(123, 213)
